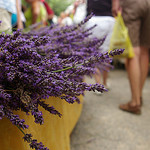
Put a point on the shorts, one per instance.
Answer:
(103, 29)
(5, 17)
(136, 15)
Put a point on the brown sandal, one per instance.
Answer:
(131, 109)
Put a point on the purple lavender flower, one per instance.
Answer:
(1, 112)
(33, 143)
(44, 63)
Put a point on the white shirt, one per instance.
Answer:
(9, 5)
(67, 21)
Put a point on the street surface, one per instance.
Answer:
(102, 126)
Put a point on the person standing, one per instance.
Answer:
(136, 15)
(18, 20)
(105, 22)
(7, 8)
(36, 13)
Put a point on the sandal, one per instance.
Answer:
(131, 109)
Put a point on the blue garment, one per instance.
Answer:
(14, 20)
(9, 5)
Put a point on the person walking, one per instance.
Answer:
(105, 21)
(136, 15)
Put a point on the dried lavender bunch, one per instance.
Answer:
(33, 143)
(70, 43)
(52, 62)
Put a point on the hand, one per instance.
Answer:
(116, 7)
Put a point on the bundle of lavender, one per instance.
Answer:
(50, 62)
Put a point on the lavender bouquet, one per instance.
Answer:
(48, 62)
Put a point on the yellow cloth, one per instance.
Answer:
(54, 133)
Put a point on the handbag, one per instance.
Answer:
(120, 39)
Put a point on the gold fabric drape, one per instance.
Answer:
(54, 133)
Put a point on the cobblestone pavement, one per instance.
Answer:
(102, 126)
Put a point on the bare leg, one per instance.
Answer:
(126, 64)
(105, 76)
(133, 68)
(144, 62)
(97, 76)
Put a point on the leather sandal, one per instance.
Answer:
(131, 109)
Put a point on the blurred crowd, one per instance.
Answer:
(37, 13)
(73, 14)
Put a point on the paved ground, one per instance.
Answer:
(102, 126)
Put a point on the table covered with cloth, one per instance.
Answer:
(54, 133)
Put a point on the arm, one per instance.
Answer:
(76, 4)
(115, 7)
(19, 22)
(35, 11)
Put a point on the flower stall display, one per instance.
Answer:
(39, 68)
